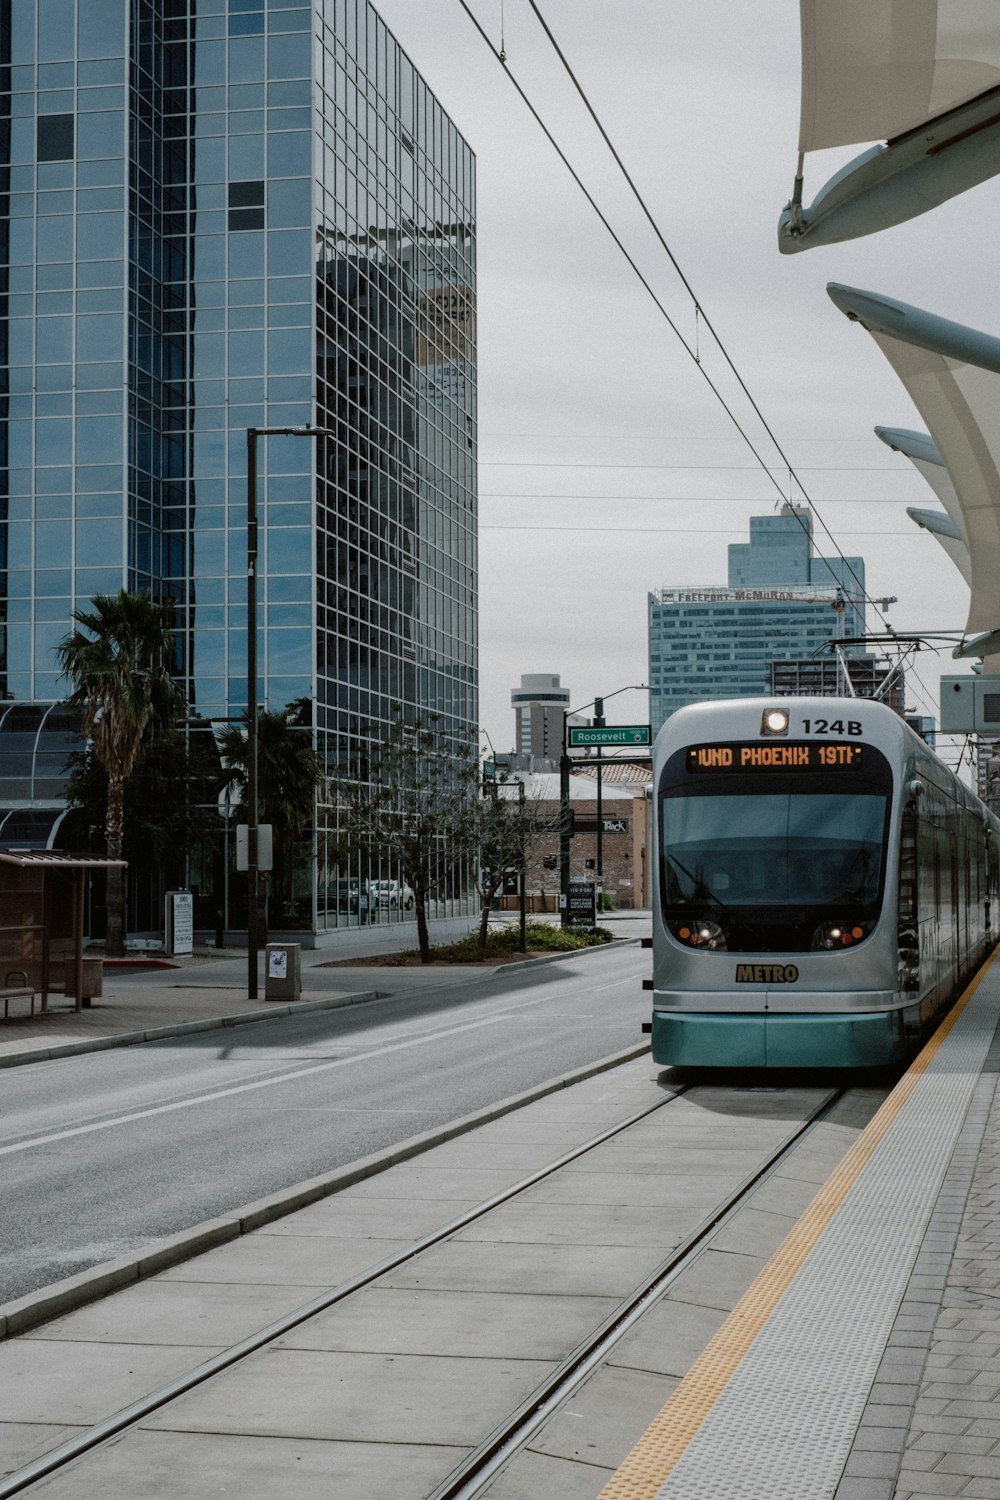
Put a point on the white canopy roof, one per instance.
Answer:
(923, 75)
(952, 374)
(872, 69)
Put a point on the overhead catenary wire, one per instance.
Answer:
(535, 463)
(691, 352)
(698, 305)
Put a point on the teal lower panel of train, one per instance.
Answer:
(692, 1039)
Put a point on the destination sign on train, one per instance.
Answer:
(770, 755)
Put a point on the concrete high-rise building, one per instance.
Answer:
(781, 603)
(540, 706)
(217, 216)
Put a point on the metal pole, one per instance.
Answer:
(524, 935)
(564, 835)
(252, 821)
(253, 870)
(599, 724)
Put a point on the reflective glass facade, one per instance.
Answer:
(225, 214)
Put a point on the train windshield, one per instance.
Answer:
(759, 863)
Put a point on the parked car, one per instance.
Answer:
(389, 895)
(356, 897)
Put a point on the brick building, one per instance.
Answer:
(625, 812)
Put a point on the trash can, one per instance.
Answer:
(93, 980)
(283, 971)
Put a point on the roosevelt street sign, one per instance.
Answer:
(619, 734)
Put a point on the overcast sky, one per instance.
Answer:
(607, 468)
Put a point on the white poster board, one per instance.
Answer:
(179, 922)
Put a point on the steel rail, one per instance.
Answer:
(129, 1416)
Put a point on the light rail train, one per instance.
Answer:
(824, 885)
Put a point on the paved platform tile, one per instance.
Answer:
(21, 1442)
(155, 1466)
(568, 1270)
(177, 1312)
(369, 1398)
(283, 1259)
(668, 1338)
(599, 1423)
(340, 1217)
(463, 1324)
(54, 1382)
(528, 1221)
(532, 1476)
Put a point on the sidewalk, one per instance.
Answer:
(209, 988)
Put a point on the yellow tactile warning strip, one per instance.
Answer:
(648, 1466)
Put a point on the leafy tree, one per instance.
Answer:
(118, 662)
(288, 773)
(510, 828)
(170, 800)
(412, 799)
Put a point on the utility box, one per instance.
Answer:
(970, 705)
(283, 971)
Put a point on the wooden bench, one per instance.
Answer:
(9, 992)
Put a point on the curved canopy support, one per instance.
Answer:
(921, 75)
(979, 645)
(887, 185)
(952, 374)
(922, 451)
(944, 530)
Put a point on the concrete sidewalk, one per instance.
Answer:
(209, 989)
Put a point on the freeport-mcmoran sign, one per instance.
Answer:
(821, 592)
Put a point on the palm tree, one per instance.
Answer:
(118, 664)
(288, 773)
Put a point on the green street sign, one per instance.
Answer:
(620, 734)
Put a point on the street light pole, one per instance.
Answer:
(599, 724)
(253, 824)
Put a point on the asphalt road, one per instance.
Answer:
(101, 1154)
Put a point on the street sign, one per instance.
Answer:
(265, 859)
(619, 734)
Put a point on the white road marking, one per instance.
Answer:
(295, 1074)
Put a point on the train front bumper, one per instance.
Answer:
(735, 1039)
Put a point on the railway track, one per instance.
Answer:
(479, 1467)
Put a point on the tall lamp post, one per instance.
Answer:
(564, 800)
(253, 824)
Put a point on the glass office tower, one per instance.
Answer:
(227, 214)
(782, 603)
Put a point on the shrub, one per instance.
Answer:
(539, 938)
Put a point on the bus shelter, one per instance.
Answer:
(42, 896)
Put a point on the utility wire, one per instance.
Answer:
(535, 463)
(692, 353)
(607, 225)
(699, 308)
(678, 500)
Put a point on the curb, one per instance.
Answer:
(184, 1028)
(89, 1286)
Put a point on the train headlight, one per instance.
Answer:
(774, 721)
(830, 936)
(700, 934)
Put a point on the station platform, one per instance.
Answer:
(829, 1327)
(864, 1361)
